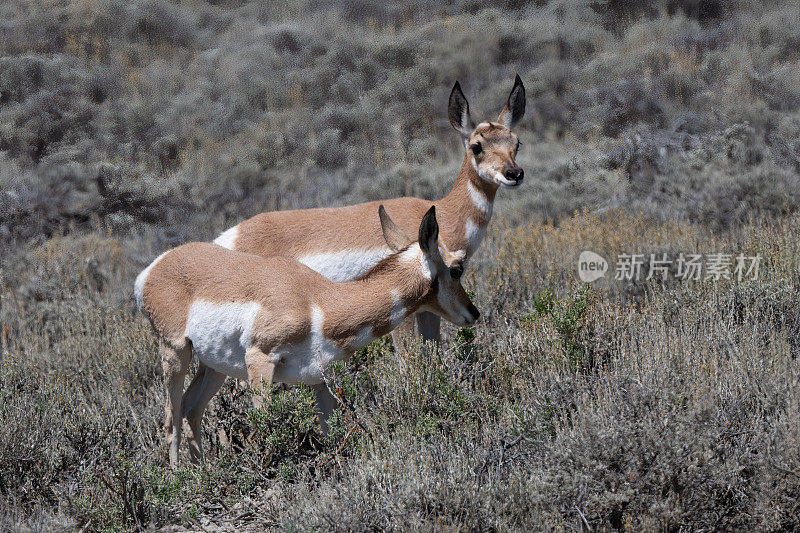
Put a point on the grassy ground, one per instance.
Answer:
(656, 405)
(130, 127)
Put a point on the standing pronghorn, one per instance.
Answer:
(276, 320)
(342, 243)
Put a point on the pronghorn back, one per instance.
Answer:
(205, 272)
(342, 243)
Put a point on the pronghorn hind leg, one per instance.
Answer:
(326, 403)
(190, 395)
(194, 406)
(175, 362)
(429, 326)
(260, 369)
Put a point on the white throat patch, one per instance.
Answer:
(483, 203)
(414, 254)
(474, 234)
(484, 175)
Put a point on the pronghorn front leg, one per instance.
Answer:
(175, 362)
(403, 334)
(429, 326)
(326, 403)
(260, 368)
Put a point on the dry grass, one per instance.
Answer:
(664, 405)
(127, 128)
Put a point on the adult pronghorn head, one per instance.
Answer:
(492, 146)
(443, 293)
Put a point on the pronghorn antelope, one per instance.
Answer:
(344, 242)
(275, 320)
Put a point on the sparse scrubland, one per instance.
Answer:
(127, 128)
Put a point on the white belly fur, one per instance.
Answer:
(307, 361)
(221, 334)
(344, 265)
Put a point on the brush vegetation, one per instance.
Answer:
(672, 127)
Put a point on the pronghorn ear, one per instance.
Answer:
(395, 237)
(458, 111)
(515, 106)
(429, 233)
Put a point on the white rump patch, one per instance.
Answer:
(141, 279)
(227, 239)
(221, 334)
(345, 265)
(480, 200)
(474, 235)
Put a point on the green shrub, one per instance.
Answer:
(569, 317)
(286, 426)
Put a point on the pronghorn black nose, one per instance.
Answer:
(474, 312)
(516, 174)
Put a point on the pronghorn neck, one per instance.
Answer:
(374, 304)
(488, 188)
(467, 209)
(468, 182)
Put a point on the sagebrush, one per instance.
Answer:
(656, 128)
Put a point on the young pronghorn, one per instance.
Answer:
(344, 242)
(276, 320)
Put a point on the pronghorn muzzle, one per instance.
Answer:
(514, 173)
(473, 311)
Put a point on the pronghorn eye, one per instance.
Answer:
(456, 272)
(519, 144)
(476, 148)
